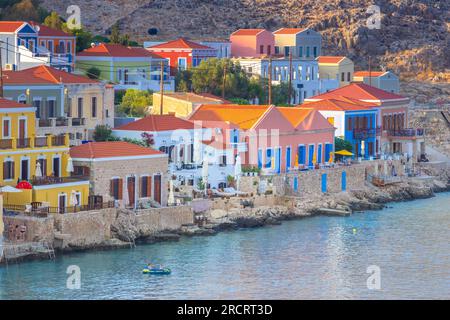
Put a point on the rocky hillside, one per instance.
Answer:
(412, 41)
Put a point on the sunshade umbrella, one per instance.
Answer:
(331, 157)
(237, 170)
(363, 148)
(205, 171)
(171, 199)
(38, 172)
(344, 153)
(69, 165)
(126, 196)
(73, 199)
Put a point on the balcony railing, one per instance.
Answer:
(408, 132)
(6, 144)
(23, 143)
(59, 140)
(78, 121)
(44, 181)
(40, 211)
(366, 133)
(44, 123)
(40, 142)
(62, 122)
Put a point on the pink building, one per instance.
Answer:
(275, 139)
(252, 43)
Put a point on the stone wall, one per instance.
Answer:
(161, 219)
(34, 229)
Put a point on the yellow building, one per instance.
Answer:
(37, 165)
(336, 67)
(183, 103)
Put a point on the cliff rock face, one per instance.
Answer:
(412, 41)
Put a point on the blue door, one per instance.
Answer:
(324, 182)
(260, 161)
(319, 154)
(278, 161)
(288, 158)
(328, 150)
(301, 155)
(268, 158)
(295, 184)
(344, 181)
(311, 155)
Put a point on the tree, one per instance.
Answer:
(104, 133)
(342, 144)
(135, 102)
(115, 34)
(239, 101)
(93, 73)
(280, 94)
(183, 80)
(54, 21)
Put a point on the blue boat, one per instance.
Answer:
(156, 269)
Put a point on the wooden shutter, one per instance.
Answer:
(4, 170)
(111, 188)
(13, 170)
(149, 186)
(120, 194)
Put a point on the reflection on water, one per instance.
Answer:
(318, 258)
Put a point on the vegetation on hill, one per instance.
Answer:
(22, 10)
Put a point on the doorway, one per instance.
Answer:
(56, 167)
(24, 165)
(131, 183)
(62, 200)
(157, 193)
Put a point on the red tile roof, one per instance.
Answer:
(115, 50)
(6, 104)
(152, 123)
(111, 149)
(10, 26)
(359, 91)
(247, 32)
(366, 73)
(330, 59)
(180, 43)
(289, 30)
(335, 105)
(43, 75)
(45, 31)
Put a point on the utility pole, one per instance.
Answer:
(290, 78)
(224, 80)
(161, 89)
(270, 81)
(1, 72)
(370, 72)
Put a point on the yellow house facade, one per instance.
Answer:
(336, 67)
(36, 165)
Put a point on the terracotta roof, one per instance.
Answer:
(289, 30)
(330, 59)
(244, 116)
(115, 50)
(359, 91)
(305, 119)
(180, 43)
(45, 31)
(247, 32)
(366, 73)
(110, 149)
(6, 104)
(152, 123)
(43, 75)
(294, 115)
(335, 105)
(205, 98)
(10, 26)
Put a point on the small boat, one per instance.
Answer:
(157, 269)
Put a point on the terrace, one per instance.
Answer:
(35, 142)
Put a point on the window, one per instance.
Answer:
(51, 109)
(300, 52)
(182, 64)
(348, 76)
(269, 49)
(146, 187)
(69, 46)
(315, 52)
(80, 107)
(22, 99)
(43, 163)
(6, 128)
(349, 124)
(107, 113)
(307, 52)
(50, 45)
(116, 188)
(268, 158)
(37, 105)
(286, 51)
(261, 49)
(94, 107)
(277, 49)
(342, 76)
(8, 170)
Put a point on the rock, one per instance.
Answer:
(125, 226)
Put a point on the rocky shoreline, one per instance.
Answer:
(127, 234)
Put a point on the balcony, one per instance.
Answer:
(40, 142)
(62, 122)
(76, 122)
(6, 144)
(23, 143)
(45, 181)
(406, 133)
(45, 123)
(366, 133)
(59, 140)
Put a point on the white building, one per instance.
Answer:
(305, 75)
(186, 144)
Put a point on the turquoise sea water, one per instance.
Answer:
(314, 258)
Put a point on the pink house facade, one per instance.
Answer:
(252, 43)
(274, 139)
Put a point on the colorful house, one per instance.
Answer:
(122, 171)
(64, 102)
(302, 43)
(274, 139)
(252, 43)
(384, 80)
(355, 121)
(38, 164)
(182, 53)
(126, 67)
(336, 67)
(392, 117)
(60, 46)
(183, 103)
